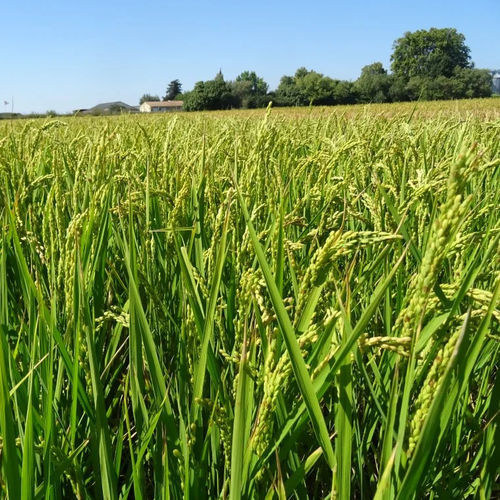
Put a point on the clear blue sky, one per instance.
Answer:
(64, 55)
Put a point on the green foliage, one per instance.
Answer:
(344, 92)
(257, 84)
(426, 65)
(398, 90)
(210, 95)
(309, 87)
(289, 94)
(249, 90)
(465, 83)
(316, 88)
(430, 53)
(374, 84)
(474, 82)
(434, 64)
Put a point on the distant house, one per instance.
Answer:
(160, 106)
(109, 108)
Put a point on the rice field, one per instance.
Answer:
(295, 303)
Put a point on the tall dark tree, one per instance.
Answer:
(430, 53)
(173, 90)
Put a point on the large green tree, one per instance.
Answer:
(430, 53)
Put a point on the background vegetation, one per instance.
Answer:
(426, 65)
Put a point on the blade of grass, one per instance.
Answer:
(239, 426)
(10, 459)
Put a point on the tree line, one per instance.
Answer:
(425, 65)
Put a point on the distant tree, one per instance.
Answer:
(173, 90)
(344, 92)
(315, 87)
(374, 84)
(301, 73)
(148, 98)
(430, 89)
(210, 95)
(242, 92)
(476, 82)
(289, 94)
(304, 88)
(309, 87)
(430, 53)
(250, 90)
(258, 85)
(465, 83)
(398, 91)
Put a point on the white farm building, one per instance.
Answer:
(160, 106)
(495, 82)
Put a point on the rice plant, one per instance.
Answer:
(266, 304)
